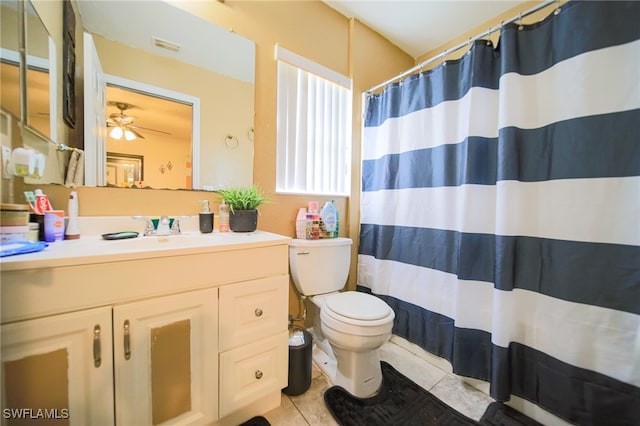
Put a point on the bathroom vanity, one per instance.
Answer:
(185, 329)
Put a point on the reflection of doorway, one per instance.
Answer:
(125, 171)
(169, 129)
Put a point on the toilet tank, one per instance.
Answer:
(319, 266)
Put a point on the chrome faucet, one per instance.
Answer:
(149, 229)
(163, 226)
(175, 227)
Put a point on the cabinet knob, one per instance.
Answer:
(258, 374)
(258, 312)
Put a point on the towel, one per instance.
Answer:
(75, 169)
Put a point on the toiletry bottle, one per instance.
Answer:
(329, 216)
(301, 223)
(206, 218)
(72, 231)
(223, 217)
(313, 222)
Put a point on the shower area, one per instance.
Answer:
(500, 211)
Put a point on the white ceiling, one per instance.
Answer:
(418, 26)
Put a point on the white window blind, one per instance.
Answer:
(314, 129)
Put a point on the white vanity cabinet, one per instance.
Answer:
(176, 336)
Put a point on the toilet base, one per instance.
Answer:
(359, 373)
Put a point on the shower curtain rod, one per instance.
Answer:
(463, 44)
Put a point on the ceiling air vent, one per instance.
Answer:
(165, 44)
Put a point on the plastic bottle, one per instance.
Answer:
(72, 231)
(313, 222)
(329, 216)
(206, 218)
(301, 223)
(223, 217)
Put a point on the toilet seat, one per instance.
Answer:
(357, 306)
(357, 313)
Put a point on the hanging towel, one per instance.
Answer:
(75, 169)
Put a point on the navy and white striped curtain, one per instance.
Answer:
(500, 213)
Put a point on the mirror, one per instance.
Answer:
(39, 92)
(40, 69)
(10, 58)
(207, 67)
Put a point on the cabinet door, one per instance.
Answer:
(165, 356)
(59, 367)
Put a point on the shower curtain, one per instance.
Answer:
(500, 212)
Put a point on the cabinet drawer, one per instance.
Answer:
(253, 310)
(253, 371)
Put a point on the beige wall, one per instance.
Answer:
(311, 29)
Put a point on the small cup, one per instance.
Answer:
(53, 225)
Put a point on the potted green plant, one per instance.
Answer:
(243, 203)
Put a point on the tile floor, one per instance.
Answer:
(470, 397)
(309, 408)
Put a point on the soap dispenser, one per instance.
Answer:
(206, 218)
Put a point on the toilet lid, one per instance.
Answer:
(359, 306)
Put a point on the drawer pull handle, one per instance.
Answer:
(258, 312)
(127, 341)
(258, 374)
(97, 357)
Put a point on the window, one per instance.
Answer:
(314, 127)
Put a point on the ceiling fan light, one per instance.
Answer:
(129, 135)
(116, 133)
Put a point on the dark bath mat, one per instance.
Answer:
(399, 402)
(499, 414)
(256, 421)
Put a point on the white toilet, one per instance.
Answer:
(349, 326)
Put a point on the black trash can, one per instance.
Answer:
(300, 350)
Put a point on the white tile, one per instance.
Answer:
(464, 398)
(417, 369)
(286, 415)
(311, 403)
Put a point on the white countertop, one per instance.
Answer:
(93, 249)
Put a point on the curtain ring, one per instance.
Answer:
(520, 26)
(557, 11)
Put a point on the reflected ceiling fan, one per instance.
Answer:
(122, 124)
